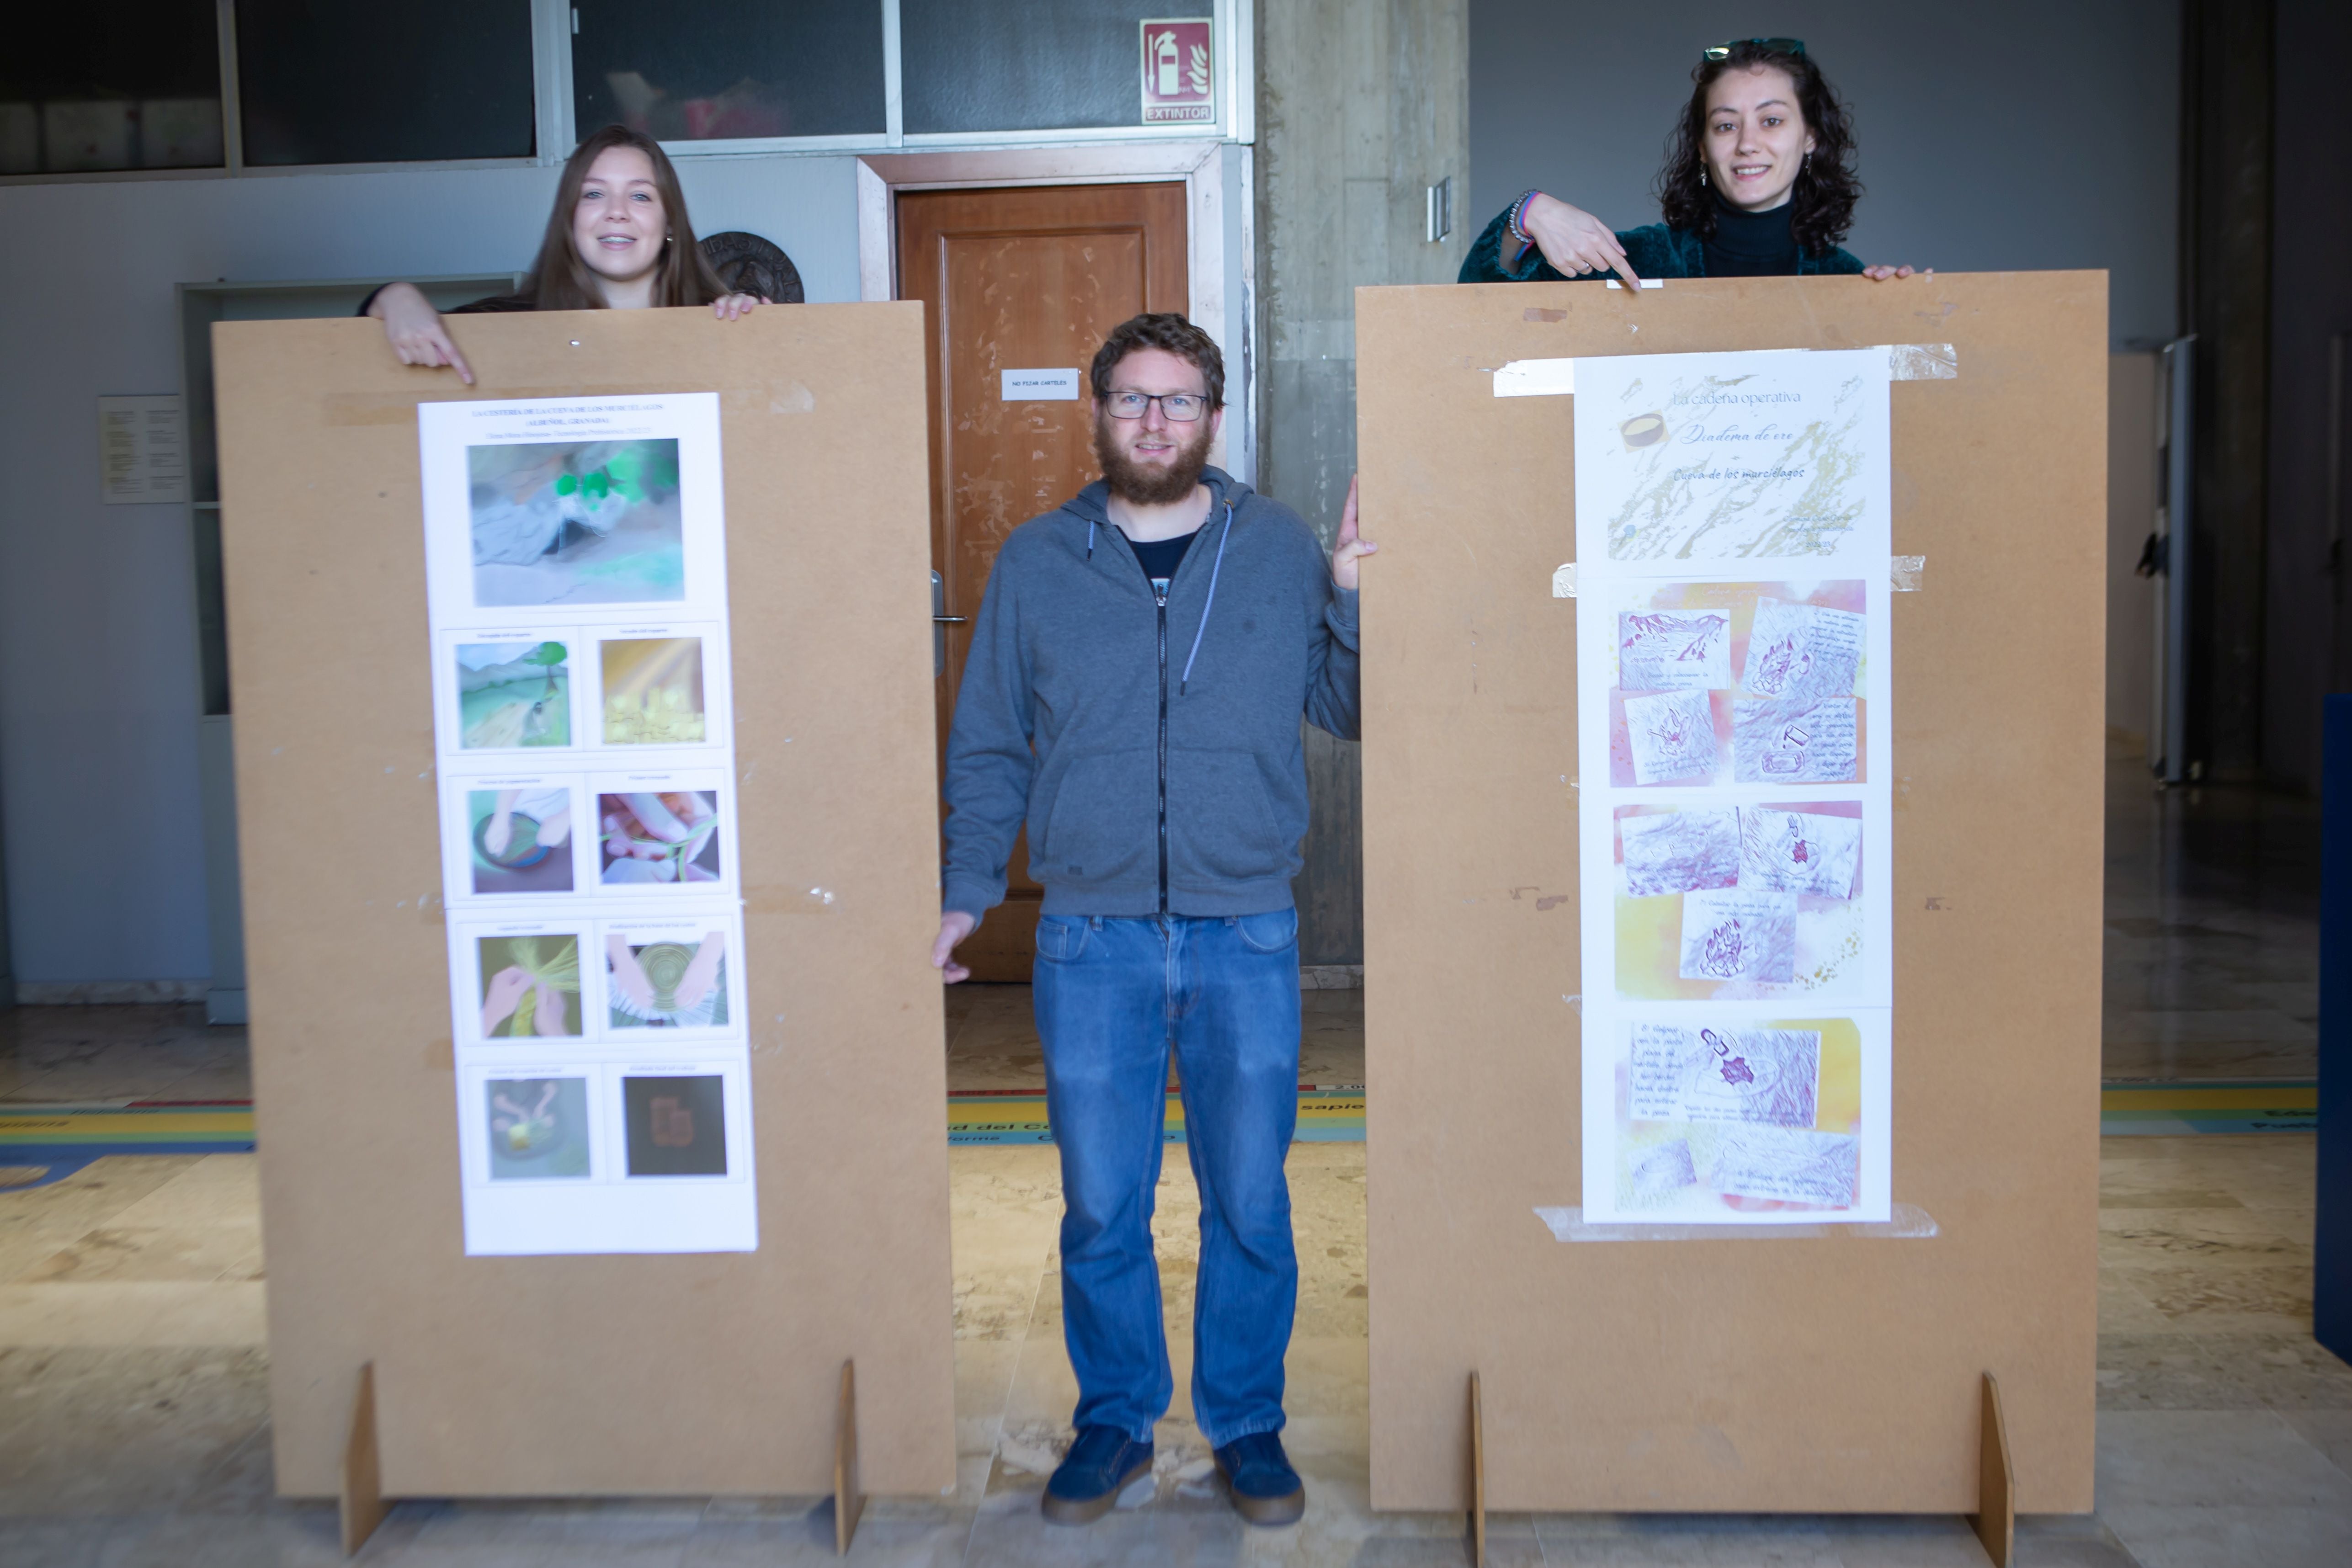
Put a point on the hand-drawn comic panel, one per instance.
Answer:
(1671, 738)
(1736, 934)
(1690, 927)
(1658, 651)
(1665, 852)
(1800, 848)
(1795, 743)
(1799, 652)
(1699, 1072)
(1684, 638)
(1697, 1138)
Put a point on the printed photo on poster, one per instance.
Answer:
(590, 522)
(1751, 682)
(522, 840)
(531, 986)
(653, 692)
(1733, 525)
(514, 695)
(677, 1127)
(666, 838)
(538, 1128)
(1714, 1121)
(1685, 461)
(1732, 903)
(666, 978)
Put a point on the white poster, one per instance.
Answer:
(1734, 707)
(576, 571)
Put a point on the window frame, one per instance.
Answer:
(1235, 23)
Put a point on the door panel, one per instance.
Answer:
(1026, 279)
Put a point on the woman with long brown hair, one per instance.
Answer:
(1759, 183)
(618, 239)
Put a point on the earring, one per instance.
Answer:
(1702, 176)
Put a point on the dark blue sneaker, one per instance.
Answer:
(1266, 1491)
(1098, 1466)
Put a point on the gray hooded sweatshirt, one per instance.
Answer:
(1152, 749)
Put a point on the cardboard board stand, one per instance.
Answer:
(399, 1365)
(1841, 1369)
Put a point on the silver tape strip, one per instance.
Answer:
(1911, 1223)
(1557, 377)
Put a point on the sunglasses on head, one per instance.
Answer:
(1778, 45)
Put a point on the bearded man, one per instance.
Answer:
(1133, 694)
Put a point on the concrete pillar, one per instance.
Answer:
(1363, 105)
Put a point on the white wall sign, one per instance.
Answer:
(142, 450)
(1040, 386)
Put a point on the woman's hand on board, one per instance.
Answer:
(415, 330)
(1882, 272)
(728, 306)
(1574, 241)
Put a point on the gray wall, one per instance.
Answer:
(1999, 135)
(2304, 642)
(99, 800)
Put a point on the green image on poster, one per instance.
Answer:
(513, 694)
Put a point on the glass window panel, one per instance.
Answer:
(130, 85)
(324, 82)
(1026, 65)
(697, 70)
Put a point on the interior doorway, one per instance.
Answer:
(1026, 279)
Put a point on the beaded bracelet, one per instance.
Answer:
(1518, 211)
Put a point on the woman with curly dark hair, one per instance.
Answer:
(1759, 183)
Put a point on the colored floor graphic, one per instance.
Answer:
(1331, 1116)
(2243, 1105)
(60, 1139)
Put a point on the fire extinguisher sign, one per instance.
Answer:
(1179, 80)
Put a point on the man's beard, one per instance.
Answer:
(1152, 485)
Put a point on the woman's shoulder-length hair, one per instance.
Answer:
(1826, 189)
(559, 279)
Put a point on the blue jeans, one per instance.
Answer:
(1114, 996)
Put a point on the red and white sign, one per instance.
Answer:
(1179, 80)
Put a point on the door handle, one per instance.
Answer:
(949, 620)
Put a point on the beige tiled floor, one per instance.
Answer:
(134, 1409)
(133, 1412)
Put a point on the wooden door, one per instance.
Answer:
(1028, 278)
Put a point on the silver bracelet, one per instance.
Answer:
(1518, 211)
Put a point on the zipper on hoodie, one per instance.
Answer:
(1159, 596)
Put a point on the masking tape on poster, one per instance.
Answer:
(1911, 1223)
(1904, 575)
(1557, 377)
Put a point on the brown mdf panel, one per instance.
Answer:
(1832, 1375)
(572, 1376)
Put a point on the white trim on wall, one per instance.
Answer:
(1219, 270)
(555, 133)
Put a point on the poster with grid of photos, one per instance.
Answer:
(575, 555)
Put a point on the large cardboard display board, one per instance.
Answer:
(1835, 1372)
(570, 1375)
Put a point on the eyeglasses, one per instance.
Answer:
(1182, 408)
(1778, 45)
